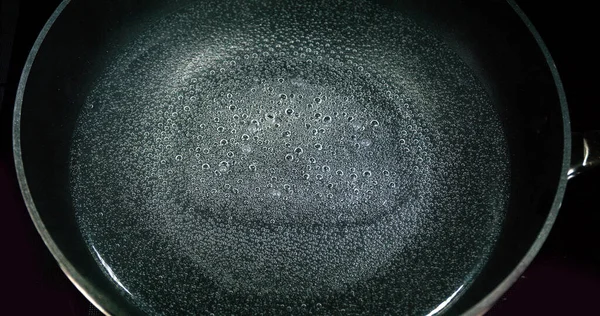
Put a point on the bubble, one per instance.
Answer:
(353, 176)
(205, 166)
(327, 119)
(289, 157)
(186, 108)
(318, 115)
(318, 100)
(178, 157)
(252, 167)
(339, 173)
(312, 160)
(206, 150)
(326, 169)
(245, 137)
(232, 107)
(230, 154)
(287, 133)
(367, 173)
(220, 129)
(223, 142)
(374, 123)
(319, 176)
(298, 150)
(289, 111)
(392, 184)
(306, 176)
(318, 146)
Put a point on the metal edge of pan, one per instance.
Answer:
(80, 282)
(488, 301)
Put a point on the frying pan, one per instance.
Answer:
(273, 157)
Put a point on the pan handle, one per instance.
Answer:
(586, 152)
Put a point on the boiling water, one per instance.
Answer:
(288, 158)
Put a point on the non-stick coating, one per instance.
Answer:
(289, 157)
(245, 157)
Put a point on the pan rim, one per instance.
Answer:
(81, 283)
(488, 301)
(89, 290)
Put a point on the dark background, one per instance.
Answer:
(563, 279)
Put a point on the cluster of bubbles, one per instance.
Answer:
(290, 142)
(291, 157)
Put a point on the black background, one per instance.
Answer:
(563, 279)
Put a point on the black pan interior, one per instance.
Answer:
(488, 36)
